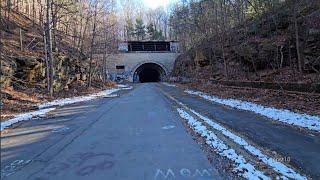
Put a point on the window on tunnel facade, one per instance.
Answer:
(120, 68)
(148, 46)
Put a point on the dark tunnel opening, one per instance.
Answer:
(149, 75)
(149, 72)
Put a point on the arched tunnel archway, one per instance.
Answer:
(149, 72)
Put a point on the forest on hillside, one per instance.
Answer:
(261, 51)
(257, 40)
(48, 47)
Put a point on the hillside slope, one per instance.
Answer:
(261, 49)
(23, 69)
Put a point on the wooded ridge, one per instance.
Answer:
(271, 41)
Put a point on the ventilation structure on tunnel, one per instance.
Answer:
(149, 72)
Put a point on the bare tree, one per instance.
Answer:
(296, 31)
(49, 48)
(92, 42)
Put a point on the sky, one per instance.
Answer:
(153, 4)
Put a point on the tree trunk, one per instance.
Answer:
(91, 46)
(33, 12)
(46, 60)
(49, 46)
(105, 57)
(281, 56)
(83, 34)
(54, 26)
(21, 43)
(225, 64)
(300, 63)
(8, 12)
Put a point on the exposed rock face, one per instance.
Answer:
(27, 67)
(184, 65)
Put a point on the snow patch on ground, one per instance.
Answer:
(60, 130)
(65, 101)
(283, 115)
(13, 167)
(25, 117)
(111, 96)
(127, 88)
(276, 165)
(168, 127)
(168, 84)
(243, 168)
(122, 85)
(48, 106)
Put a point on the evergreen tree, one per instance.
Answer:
(151, 31)
(154, 34)
(159, 35)
(140, 30)
(129, 30)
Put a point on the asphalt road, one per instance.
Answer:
(139, 135)
(135, 136)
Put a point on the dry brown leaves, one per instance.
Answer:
(295, 101)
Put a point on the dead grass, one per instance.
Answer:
(295, 101)
(15, 101)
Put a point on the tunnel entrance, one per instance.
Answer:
(149, 75)
(149, 72)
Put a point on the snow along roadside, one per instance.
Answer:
(48, 106)
(276, 165)
(283, 115)
(168, 84)
(279, 167)
(65, 101)
(243, 168)
(25, 117)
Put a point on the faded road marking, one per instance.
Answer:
(183, 172)
(13, 167)
(168, 127)
(58, 130)
(83, 164)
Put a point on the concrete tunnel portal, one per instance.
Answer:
(142, 61)
(149, 72)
